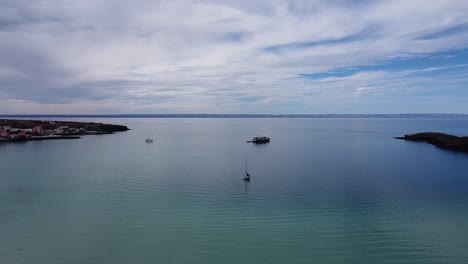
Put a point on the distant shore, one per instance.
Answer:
(407, 115)
(15, 130)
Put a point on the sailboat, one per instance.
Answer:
(246, 174)
(149, 140)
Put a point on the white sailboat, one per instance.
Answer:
(246, 174)
(149, 139)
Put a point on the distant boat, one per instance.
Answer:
(260, 140)
(149, 139)
(246, 174)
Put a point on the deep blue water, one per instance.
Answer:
(323, 191)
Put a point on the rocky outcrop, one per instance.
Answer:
(440, 140)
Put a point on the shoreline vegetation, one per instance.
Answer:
(14, 130)
(440, 140)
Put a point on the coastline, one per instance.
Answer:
(440, 140)
(14, 130)
(40, 138)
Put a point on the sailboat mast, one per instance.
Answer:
(245, 163)
(247, 174)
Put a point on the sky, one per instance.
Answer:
(233, 56)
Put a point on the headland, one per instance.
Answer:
(15, 130)
(440, 140)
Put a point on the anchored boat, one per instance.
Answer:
(260, 140)
(246, 174)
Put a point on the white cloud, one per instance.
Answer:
(213, 56)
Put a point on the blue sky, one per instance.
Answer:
(226, 56)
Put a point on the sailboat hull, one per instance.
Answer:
(247, 176)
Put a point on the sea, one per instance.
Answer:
(324, 190)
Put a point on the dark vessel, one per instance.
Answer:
(260, 140)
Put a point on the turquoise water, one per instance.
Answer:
(323, 191)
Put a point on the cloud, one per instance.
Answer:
(226, 56)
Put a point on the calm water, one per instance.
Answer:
(323, 191)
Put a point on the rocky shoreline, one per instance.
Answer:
(40, 138)
(440, 140)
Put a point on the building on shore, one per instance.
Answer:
(37, 130)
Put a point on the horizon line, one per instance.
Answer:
(403, 115)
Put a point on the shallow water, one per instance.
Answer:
(323, 191)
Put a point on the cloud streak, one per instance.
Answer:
(230, 56)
